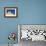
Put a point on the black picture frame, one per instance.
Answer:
(10, 8)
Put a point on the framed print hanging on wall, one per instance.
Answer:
(11, 12)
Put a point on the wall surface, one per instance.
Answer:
(29, 12)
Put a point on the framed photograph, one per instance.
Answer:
(11, 12)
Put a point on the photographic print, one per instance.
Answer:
(11, 12)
